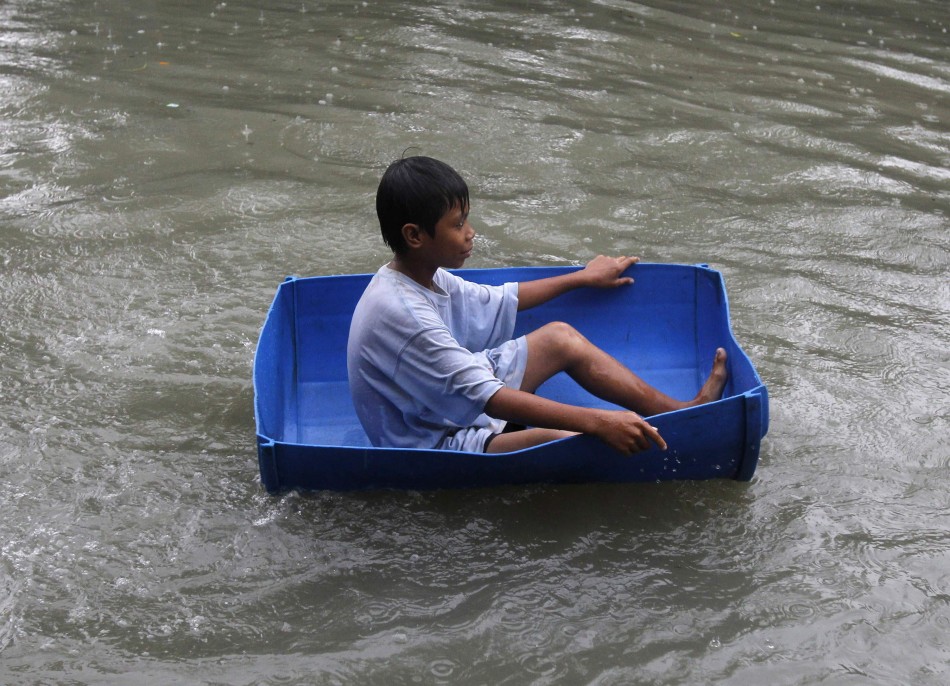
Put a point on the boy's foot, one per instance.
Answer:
(712, 389)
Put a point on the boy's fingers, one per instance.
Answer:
(626, 261)
(655, 436)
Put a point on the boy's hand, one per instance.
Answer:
(600, 272)
(627, 432)
(604, 272)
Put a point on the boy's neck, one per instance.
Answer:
(422, 274)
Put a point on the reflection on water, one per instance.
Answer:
(164, 165)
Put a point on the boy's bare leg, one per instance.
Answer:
(527, 438)
(559, 347)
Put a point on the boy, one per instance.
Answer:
(430, 356)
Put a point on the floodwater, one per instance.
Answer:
(164, 165)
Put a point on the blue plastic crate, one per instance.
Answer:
(666, 327)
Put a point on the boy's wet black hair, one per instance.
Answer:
(416, 190)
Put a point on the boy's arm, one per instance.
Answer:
(601, 272)
(624, 431)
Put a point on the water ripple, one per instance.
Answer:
(923, 81)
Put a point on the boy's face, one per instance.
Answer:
(453, 240)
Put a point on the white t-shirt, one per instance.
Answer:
(420, 361)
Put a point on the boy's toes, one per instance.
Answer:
(712, 389)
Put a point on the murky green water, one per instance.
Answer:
(163, 165)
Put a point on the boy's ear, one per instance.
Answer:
(412, 234)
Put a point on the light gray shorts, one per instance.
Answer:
(508, 363)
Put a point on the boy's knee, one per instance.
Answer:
(561, 330)
(565, 337)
